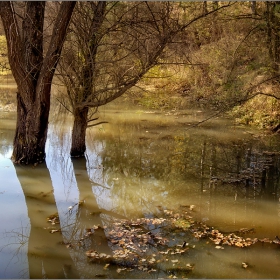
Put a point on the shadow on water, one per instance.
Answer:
(47, 256)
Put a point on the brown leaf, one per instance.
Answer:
(244, 265)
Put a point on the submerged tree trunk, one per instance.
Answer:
(78, 146)
(33, 72)
(87, 74)
(31, 132)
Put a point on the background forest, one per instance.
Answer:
(227, 60)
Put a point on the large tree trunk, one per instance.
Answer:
(31, 131)
(78, 147)
(33, 72)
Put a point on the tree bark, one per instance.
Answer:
(31, 132)
(78, 146)
(33, 73)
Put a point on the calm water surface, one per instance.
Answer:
(136, 165)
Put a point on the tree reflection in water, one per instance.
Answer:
(87, 233)
(47, 256)
(129, 172)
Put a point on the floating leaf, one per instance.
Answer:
(244, 265)
(189, 266)
(91, 253)
(192, 207)
(122, 242)
(219, 247)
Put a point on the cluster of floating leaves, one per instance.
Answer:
(145, 244)
(54, 220)
(221, 239)
(230, 239)
(139, 244)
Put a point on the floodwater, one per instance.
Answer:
(141, 165)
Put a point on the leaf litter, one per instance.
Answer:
(148, 244)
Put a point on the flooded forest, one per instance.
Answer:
(139, 140)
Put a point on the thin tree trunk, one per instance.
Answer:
(78, 146)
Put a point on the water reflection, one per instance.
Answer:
(6, 134)
(47, 257)
(135, 166)
(194, 168)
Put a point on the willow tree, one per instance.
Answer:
(33, 63)
(112, 45)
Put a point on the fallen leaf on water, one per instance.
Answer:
(174, 261)
(188, 265)
(239, 244)
(92, 254)
(219, 247)
(130, 269)
(102, 255)
(121, 242)
(106, 266)
(244, 265)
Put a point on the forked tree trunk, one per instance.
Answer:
(33, 73)
(78, 146)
